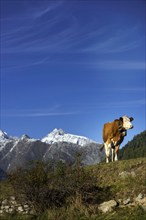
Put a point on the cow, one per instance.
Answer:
(113, 135)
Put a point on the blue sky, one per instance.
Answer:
(72, 65)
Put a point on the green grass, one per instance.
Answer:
(124, 214)
(83, 214)
(6, 190)
(108, 175)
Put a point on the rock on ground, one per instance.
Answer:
(107, 206)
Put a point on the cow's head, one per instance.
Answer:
(127, 122)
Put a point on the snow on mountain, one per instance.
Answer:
(58, 135)
(27, 138)
(8, 143)
(3, 135)
(57, 145)
(5, 139)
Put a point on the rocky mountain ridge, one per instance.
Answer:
(57, 145)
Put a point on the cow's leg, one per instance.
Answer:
(107, 151)
(116, 156)
(113, 153)
(116, 153)
(113, 150)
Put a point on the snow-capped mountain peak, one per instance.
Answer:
(58, 135)
(4, 139)
(57, 145)
(27, 138)
(24, 136)
(3, 135)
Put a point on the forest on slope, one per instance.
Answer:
(135, 148)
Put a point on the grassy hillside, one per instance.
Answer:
(135, 148)
(77, 192)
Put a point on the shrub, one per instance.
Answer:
(46, 187)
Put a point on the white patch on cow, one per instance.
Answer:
(126, 123)
(107, 151)
(113, 154)
(114, 142)
(116, 156)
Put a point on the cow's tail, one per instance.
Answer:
(102, 146)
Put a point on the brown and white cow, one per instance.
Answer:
(113, 135)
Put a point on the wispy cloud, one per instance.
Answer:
(52, 5)
(121, 65)
(123, 104)
(37, 32)
(29, 63)
(40, 114)
(116, 89)
(48, 112)
(133, 89)
(115, 42)
(94, 106)
(112, 45)
(62, 33)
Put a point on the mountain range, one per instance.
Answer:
(57, 145)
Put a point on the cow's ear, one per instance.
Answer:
(121, 119)
(131, 119)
